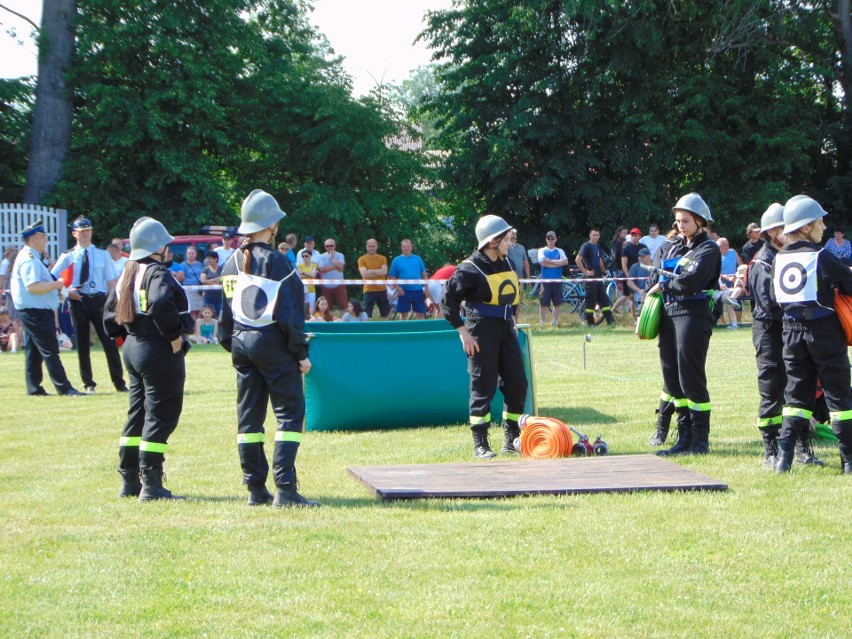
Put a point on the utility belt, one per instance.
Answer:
(668, 298)
(269, 328)
(807, 314)
(90, 295)
(495, 311)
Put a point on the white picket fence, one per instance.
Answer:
(15, 217)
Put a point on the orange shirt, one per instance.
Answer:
(372, 262)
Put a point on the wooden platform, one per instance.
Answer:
(572, 476)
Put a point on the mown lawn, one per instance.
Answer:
(765, 559)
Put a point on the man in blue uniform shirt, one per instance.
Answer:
(93, 277)
(36, 295)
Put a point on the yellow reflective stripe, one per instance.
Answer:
(129, 442)
(680, 402)
(762, 422)
(604, 309)
(476, 419)
(792, 411)
(287, 436)
(143, 301)
(699, 407)
(153, 447)
(840, 415)
(513, 416)
(665, 397)
(251, 438)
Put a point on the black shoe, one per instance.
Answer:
(152, 485)
(481, 448)
(73, 392)
(805, 452)
(784, 461)
(40, 393)
(259, 496)
(122, 389)
(131, 486)
(660, 435)
(287, 497)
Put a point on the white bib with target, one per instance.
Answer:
(795, 277)
(254, 300)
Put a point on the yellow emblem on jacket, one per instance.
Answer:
(505, 288)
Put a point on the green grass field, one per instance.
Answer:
(764, 559)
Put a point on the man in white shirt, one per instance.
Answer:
(330, 266)
(653, 241)
(225, 251)
(93, 275)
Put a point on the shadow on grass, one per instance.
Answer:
(578, 414)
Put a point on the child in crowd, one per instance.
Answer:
(8, 336)
(206, 327)
(355, 312)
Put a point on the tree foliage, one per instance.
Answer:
(15, 102)
(575, 113)
(181, 109)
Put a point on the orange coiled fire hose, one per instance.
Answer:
(545, 438)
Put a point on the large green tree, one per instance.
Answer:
(575, 113)
(181, 109)
(15, 98)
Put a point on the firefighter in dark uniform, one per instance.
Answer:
(261, 326)
(686, 323)
(149, 309)
(805, 278)
(486, 288)
(766, 329)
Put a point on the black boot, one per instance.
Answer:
(846, 458)
(804, 452)
(770, 445)
(664, 420)
(684, 435)
(700, 432)
(131, 486)
(258, 495)
(152, 485)
(511, 432)
(481, 449)
(786, 450)
(287, 495)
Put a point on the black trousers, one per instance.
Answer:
(87, 312)
(814, 351)
(40, 345)
(157, 377)
(267, 372)
(771, 375)
(499, 363)
(684, 341)
(377, 298)
(596, 295)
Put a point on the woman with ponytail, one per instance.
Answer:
(261, 326)
(149, 309)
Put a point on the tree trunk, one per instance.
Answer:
(51, 129)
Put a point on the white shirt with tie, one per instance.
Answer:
(101, 269)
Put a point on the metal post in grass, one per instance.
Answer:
(586, 338)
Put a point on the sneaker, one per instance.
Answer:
(542, 323)
(73, 392)
(90, 390)
(554, 323)
(733, 326)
